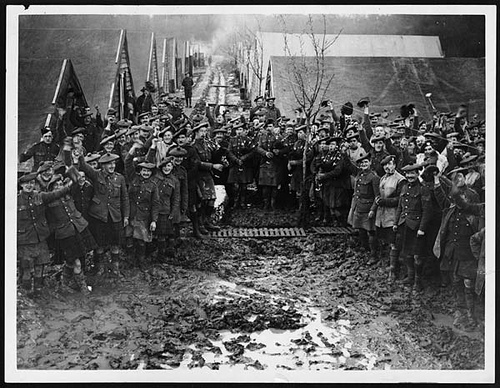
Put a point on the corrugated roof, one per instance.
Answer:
(392, 82)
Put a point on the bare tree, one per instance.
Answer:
(308, 79)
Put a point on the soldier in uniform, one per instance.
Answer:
(72, 236)
(178, 153)
(412, 218)
(144, 207)
(168, 187)
(109, 209)
(452, 246)
(205, 148)
(44, 150)
(295, 159)
(259, 104)
(33, 230)
(387, 202)
(268, 170)
(334, 176)
(363, 206)
(240, 151)
(272, 112)
(82, 193)
(44, 173)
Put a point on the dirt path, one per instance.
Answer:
(289, 303)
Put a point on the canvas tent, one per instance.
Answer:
(99, 57)
(391, 82)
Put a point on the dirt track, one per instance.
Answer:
(287, 303)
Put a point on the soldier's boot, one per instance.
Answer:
(363, 239)
(209, 225)
(410, 271)
(162, 249)
(140, 257)
(26, 280)
(170, 251)
(419, 269)
(393, 264)
(372, 243)
(99, 258)
(196, 226)
(67, 278)
(201, 221)
(458, 291)
(38, 279)
(79, 277)
(469, 302)
(115, 265)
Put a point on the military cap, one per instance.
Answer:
(182, 131)
(481, 140)
(462, 146)
(411, 167)
(121, 132)
(258, 98)
(77, 131)
(240, 125)
(27, 177)
(392, 125)
(145, 127)
(44, 130)
(91, 157)
(220, 130)
(86, 114)
(168, 159)
(44, 166)
(270, 98)
(355, 135)
(107, 139)
(300, 127)
(59, 166)
(322, 129)
(324, 139)
(132, 129)
(260, 112)
(468, 159)
(396, 135)
(55, 178)
(142, 115)
(285, 119)
(177, 151)
(197, 117)
(124, 123)
(452, 134)
(363, 157)
(335, 139)
(269, 121)
(457, 169)
(108, 157)
(259, 125)
(347, 108)
(431, 135)
(147, 165)
(111, 112)
(199, 126)
(387, 159)
(377, 138)
(363, 101)
(325, 121)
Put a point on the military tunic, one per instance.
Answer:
(168, 188)
(206, 183)
(390, 189)
(367, 186)
(240, 148)
(268, 169)
(40, 152)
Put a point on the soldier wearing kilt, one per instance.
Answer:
(33, 230)
(363, 206)
(72, 236)
(178, 153)
(144, 207)
(412, 219)
(334, 177)
(268, 170)
(206, 186)
(109, 210)
(240, 151)
(168, 188)
(459, 223)
(295, 159)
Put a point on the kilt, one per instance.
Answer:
(387, 234)
(268, 173)
(243, 174)
(463, 268)
(78, 245)
(207, 187)
(411, 244)
(164, 226)
(360, 220)
(334, 197)
(106, 233)
(139, 230)
(30, 255)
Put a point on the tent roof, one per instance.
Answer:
(92, 52)
(392, 82)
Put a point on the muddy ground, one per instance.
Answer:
(241, 303)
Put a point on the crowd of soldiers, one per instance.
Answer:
(413, 190)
